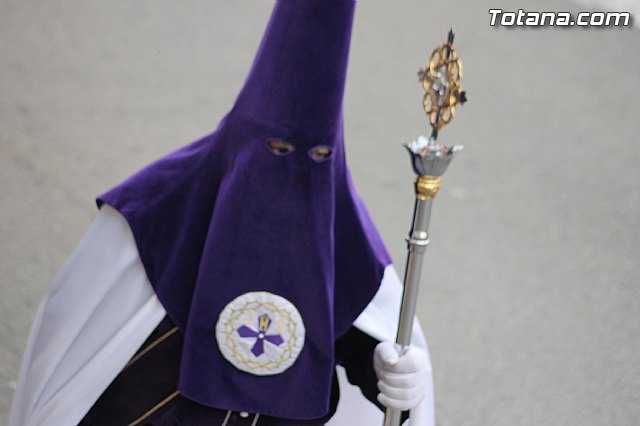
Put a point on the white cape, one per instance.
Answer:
(99, 310)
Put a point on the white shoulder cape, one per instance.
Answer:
(99, 310)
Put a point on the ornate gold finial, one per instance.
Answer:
(441, 82)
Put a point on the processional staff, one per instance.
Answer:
(429, 159)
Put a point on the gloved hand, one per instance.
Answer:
(402, 379)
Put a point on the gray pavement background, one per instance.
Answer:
(530, 299)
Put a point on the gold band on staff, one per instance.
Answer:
(427, 186)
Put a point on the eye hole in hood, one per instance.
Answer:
(279, 148)
(320, 153)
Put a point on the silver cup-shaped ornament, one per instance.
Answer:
(429, 161)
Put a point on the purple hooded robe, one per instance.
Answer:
(228, 215)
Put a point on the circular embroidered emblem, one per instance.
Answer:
(260, 333)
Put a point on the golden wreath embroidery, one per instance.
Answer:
(260, 333)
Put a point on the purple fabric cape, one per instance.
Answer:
(225, 216)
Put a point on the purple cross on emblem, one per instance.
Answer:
(261, 335)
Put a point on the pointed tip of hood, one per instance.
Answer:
(298, 76)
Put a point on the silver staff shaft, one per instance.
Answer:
(429, 161)
(417, 245)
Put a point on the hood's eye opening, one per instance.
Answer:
(279, 148)
(320, 153)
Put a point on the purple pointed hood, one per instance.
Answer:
(298, 76)
(264, 204)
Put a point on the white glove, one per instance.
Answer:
(402, 379)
